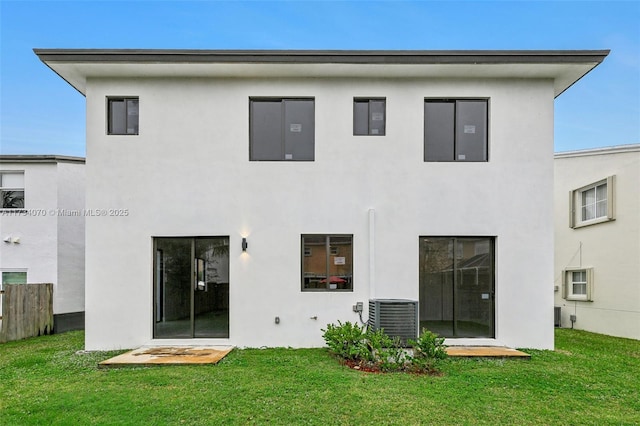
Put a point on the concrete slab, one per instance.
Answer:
(174, 355)
(485, 351)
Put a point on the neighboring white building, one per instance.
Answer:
(252, 197)
(42, 229)
(597, 239)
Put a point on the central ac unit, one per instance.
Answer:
(398, 317)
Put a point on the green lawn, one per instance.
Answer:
(589, 379)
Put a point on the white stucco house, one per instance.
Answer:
(597, 239)
(42, 229)
(252, 197)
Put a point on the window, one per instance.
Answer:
(369, 116)
(281, 129)
(123, 116)
(592, 204)
(328, 266)
(577, 283)
(455, 130)
(19, 277)
(12, 190)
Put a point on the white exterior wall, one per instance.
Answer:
(612, 248)
(188, 174)
(71, 197)
(51, 247)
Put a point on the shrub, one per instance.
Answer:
(346, 340)
(376, 350)
(428, 349)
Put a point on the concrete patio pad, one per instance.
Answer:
(485, 351)
(169, 355)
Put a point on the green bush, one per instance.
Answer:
(346, 340)
(428, 349)
(376, 350)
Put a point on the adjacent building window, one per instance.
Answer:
(12, 190)
(327, 262)
(281, 129)
(592, 204)
(455, 130)
(577, 283)
(369, 116)
(10, 277)
(123, 117)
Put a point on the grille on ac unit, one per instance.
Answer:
(398, 317)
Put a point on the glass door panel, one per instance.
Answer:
(173, 288)
(211, 298)
(191, 287)
(456, 286)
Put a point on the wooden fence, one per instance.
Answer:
(27, 311)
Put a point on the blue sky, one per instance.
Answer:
(41, 114)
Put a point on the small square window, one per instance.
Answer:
(329, 264)
(577, 284)
(592, 204)
(369, 116)
(12, 190)
(123, 116)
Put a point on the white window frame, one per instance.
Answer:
(12, 188)
(575, 204)
(567, 284)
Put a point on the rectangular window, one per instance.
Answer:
(329, 264)
(455, 130)
(592, 204)
(577, 284)
(281, 129)
(369, 116)
(14, 277)
(123, 116)
(12, 190)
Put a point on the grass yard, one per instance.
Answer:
(589, 379)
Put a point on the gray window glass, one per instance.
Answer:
(123, 116)
(455, 130)
(369, 117)
(281, 129)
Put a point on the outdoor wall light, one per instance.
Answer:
(244, 244)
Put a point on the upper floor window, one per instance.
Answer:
(592, 204)
(281, 129)
(12, 190)
(455, 130)
(369, 116)
(327, 262)
(122, 116)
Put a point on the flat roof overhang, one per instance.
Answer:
(564, 67)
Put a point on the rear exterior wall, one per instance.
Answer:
(188, 173)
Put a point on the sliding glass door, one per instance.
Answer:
(457, 286)
(191, 287)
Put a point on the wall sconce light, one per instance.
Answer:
(244, 244)
(7, 239)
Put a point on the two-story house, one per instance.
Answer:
(253, 197)
(597, 240)
(42, 223)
